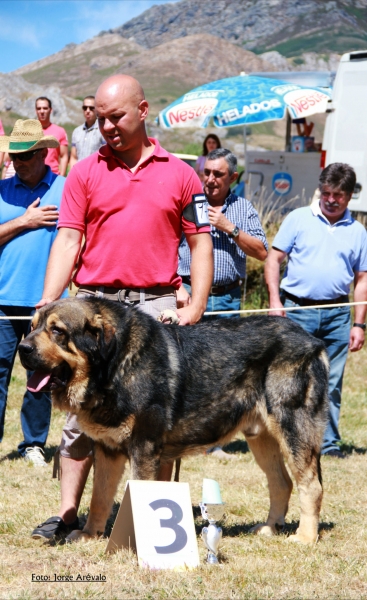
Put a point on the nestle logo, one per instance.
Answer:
(305, 102)
(302, 102)
(199, 110)
(282, 185)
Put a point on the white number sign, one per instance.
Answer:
(155, 519)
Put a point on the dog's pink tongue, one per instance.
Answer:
(37, 381)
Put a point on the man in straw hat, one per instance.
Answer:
(29, 209)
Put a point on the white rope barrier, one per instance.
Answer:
(235, 312)
(288, 308)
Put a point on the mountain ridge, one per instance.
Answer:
(172, 48)
(257, 25)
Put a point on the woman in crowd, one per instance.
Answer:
(211, 142)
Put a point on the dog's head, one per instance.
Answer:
(69, 339)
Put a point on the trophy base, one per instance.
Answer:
(212, 559)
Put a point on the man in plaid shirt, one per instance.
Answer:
(236, 233)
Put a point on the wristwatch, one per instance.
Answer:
(234, 233)
(361, 325)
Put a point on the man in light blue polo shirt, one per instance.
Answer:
(29, 209)
(326, 250)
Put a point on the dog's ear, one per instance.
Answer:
(104, 332)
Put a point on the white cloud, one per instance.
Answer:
(27, 34)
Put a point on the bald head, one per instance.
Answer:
(120, 86)
(121, 111)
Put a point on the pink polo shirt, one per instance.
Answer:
(53, 154)
(2, 132)
(132, 222)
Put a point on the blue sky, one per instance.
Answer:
(33, 29)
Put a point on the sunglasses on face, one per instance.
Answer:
(90, 108)
(23, 156)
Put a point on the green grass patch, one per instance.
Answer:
(107, 71)
(69, 127)
(49, 73)
(340, 40)
(262, 129)
(359, 13)
(252, 567)
(192, 148)
(238, 131)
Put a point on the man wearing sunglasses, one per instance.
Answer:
(29, 209)
(87, 138)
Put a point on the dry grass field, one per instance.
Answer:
(251, 567)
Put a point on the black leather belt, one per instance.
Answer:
(127, 294)
(217, 290)
(310, 302)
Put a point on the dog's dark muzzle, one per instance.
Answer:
(27, 355)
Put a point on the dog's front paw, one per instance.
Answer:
(78, 536)
(302, 539)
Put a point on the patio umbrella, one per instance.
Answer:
(243, 100)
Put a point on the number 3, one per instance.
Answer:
(172, 523)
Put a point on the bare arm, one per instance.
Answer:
(73, 158)
(5, 158)
(33, 218)
(199, 173)
(183, 297)
(272, 276)
(63, 256)
(201, 273)
(357, 334)
(63, 160)
(249, 244)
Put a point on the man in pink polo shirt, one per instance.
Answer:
(127, 201)
(57, 158)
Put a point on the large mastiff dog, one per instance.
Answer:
(152, 393)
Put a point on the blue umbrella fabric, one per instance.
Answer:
(243, 100)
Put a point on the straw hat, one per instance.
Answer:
(27, 135)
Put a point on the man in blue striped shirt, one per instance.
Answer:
(235, 230)
(236, 233)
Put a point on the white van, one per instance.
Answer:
(345, 136)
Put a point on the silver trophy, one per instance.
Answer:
(212, 510)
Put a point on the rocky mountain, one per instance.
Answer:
(18, 96)
(171, 48)
(289, 26)
(166, 71)
(100, 52)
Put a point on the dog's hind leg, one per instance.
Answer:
(108, 469)
(307, 474)
(266, 451)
